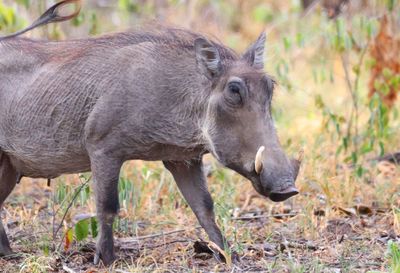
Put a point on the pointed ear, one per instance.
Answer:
(208, 58)
(255, 53)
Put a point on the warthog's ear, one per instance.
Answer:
(255, 53)
(208, 58)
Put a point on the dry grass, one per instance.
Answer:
(324, 234)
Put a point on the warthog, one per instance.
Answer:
(168, 94)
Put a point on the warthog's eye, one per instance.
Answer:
(234, 87)
(236, 93)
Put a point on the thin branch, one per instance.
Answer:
(77, 192)
(353, 90)
(155, 235)
(354, 109)
(360, 62)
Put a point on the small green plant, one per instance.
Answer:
(356, 135)
(393, 255)
(84, 227)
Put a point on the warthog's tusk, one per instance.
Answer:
(258, 163)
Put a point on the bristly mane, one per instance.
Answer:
(156, 34)
(168, 36)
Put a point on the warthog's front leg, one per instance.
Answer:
(192, 183)
(105, 174)
(8, 179)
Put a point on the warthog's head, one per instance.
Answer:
(238, 125)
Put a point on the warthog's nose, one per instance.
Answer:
(282, 195)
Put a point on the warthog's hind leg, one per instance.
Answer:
(8, 179)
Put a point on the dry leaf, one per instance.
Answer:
(347, 211)
(216, 249)
(363, 210)
(69, 236)
(211, 248)
(319, 212)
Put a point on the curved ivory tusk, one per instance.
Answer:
(258, 163)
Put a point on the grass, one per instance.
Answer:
(394, 256)
(303, 243)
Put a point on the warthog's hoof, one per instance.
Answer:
(5, 250)
(106, 257)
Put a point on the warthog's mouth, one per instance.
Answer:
(284, 194)
(277, 190)
(274, 194)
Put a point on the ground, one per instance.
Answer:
(158, 232)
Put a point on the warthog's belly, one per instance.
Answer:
(50, 167)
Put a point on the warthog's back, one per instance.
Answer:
(48, 90)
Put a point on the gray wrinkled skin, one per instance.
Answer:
(90, 105)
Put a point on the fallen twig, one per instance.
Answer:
(165, 243)
(67, 269)
(265, 216)
(163, 233)
(357, 265)
(152, 236)
(121, 271)
(306, 245)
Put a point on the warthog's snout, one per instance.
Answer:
(276, 189)
(277, 182)
(284, 194)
